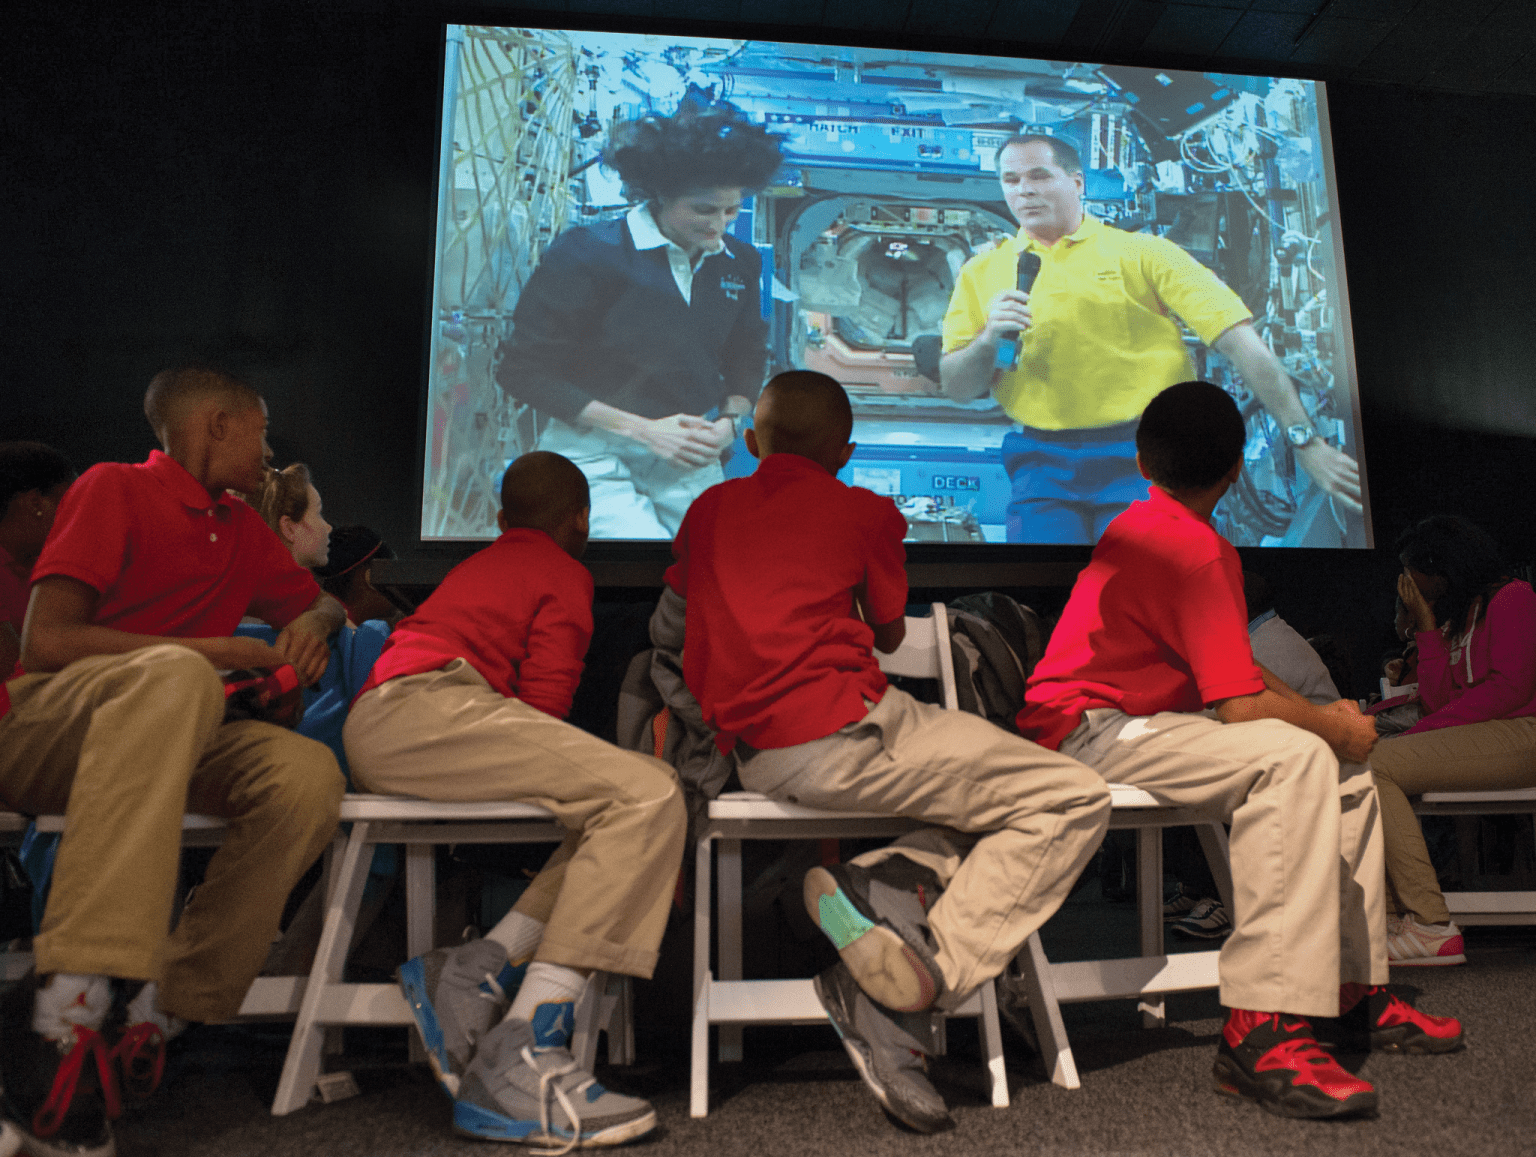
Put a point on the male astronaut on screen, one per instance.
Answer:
(1099, 340)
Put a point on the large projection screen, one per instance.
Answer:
(888, 186)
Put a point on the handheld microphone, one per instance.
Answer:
(1008, 349)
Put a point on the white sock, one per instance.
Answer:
(547, 999)
(69, 999)
(518, 934)
(145, 1008)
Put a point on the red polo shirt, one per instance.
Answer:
(768, 565)
(520, 612)
(1156, 622)
(166, 558)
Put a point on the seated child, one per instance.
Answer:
(33, 478)
(348, 574)
(119, 723)
(466, 703)
(1476, 632)
(289, 503)
(790, 578)
(1154, 631)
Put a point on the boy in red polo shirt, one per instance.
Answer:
(467, 703)
(1156, 630)
(119, 724)
(790, 578)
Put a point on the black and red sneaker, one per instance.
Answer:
(1272, 1059)
(1373, 1017)
(58, 1095)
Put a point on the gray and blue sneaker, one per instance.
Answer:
(877, 920)
(456, 995)
(1207, 920)
(889, 1049)
(516, 1091)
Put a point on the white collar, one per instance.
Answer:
(646, 234)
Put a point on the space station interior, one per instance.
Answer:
(888, 186)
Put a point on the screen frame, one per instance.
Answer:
(631, 563)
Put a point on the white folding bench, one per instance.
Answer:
(420, 825)
(1469, 908)
(269, 997)
(1147, 977)
(731, 1002)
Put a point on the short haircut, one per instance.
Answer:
(284, 494)
(173, 394)
(541, 490)
(26, 466)
(809, 411)
(1189, 436)
(1067, 157)
(1466, 556)
(711, 147)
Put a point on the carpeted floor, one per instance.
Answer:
(1145, 1092)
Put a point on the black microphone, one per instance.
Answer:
(1008, 350)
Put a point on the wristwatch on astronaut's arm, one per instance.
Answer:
(1300, 435)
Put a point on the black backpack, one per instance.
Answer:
(996, 642)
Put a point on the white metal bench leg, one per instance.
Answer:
(618, 1017)
(1213, 842)
(1046, 1012)
(992, 1046)
(1149, 908)
(698, 1082)
(302, 1066)
(728, 943)
(589, 1021)
(420, 916)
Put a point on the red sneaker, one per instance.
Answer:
(1272, 1059)
(140, 1057)
(1394, 1025)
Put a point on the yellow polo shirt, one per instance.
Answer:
(1104, 341)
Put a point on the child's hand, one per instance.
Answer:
(1419, 610)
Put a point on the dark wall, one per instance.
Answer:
(257, 185)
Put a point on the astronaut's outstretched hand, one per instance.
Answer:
(1334, 471)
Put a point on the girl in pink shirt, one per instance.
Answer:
(1476, 631)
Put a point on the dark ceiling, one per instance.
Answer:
(1467, 46)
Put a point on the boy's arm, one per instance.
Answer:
(1340, 724)
(305, 642)
(888, 636)
(558, 639)
(59, 629)
(881, 599)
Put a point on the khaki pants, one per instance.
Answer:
(1306, 846)
(123, 745)
(604, 894)
(1025, 819)
(1493, 756)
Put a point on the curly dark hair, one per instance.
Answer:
(1465, 555)
(696, 148)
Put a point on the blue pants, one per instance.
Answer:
(1068, 484)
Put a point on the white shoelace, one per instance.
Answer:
(497, 993)
(547, 1086)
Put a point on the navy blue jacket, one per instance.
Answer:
(601, 320)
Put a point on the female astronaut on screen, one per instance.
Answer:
(629, 332)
